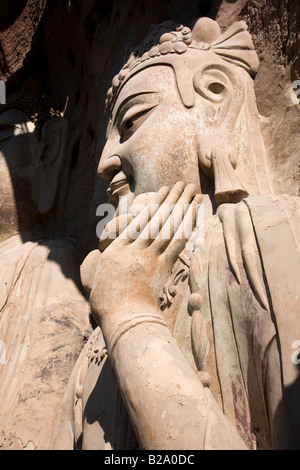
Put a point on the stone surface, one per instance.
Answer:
(70, 51)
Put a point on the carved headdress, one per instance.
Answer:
(234, 46)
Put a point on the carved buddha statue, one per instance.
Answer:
(43, 312)
(193, 348)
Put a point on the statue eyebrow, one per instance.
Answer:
(128, 98)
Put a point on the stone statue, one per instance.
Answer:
(194, 344)
(43, 312)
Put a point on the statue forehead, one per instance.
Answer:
(168, 77)
(156, 79)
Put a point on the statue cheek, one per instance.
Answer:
(191, 173)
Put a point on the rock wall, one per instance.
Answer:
(71, 49)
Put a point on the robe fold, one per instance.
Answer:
(43, 320)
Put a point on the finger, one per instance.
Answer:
(165, 235)
(138, 224)
(172, 248)
(154, 226)
(113, 229)
(140, 202)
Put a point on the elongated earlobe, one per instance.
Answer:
(228, 187)
(54, 138)
(217, 154)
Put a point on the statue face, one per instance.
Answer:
(152, 137)
(18, 160)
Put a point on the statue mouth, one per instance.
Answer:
(118, 184)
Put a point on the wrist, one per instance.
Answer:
(114, 329)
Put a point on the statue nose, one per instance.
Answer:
(109, 167)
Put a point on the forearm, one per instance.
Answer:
(168, 405)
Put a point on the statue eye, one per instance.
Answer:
(127, 129)
(133, 119)
(129, 124)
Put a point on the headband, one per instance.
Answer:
(234, 46)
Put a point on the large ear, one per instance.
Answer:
(53, 145)
(224, 89)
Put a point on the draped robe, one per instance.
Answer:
(43, 319)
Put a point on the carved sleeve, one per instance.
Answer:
(167, 403)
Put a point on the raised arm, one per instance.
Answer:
(167, 403)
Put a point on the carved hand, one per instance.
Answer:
(132, 271)
(158, 385)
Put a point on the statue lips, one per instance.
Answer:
(119, 181)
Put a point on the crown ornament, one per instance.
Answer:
(234, 45)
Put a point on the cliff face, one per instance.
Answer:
(71, 49)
